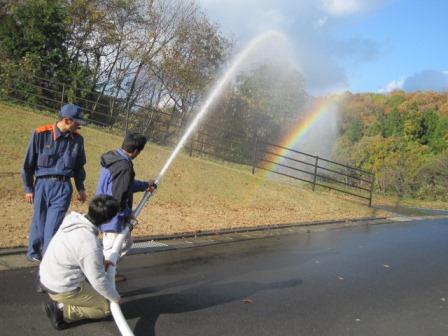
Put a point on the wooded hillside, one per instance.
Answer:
(402, 137)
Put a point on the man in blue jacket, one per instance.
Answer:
(55, 154)
(117, 178)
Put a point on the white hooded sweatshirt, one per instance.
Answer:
(74, 253)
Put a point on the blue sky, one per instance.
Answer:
(356, 45)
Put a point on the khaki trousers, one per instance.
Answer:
(85, 303)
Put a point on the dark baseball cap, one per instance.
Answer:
(73, 112)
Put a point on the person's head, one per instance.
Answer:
(70, 118)
(102, 209)
(133, 144)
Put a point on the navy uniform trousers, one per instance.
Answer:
(52, 198)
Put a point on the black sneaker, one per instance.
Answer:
(55, 315)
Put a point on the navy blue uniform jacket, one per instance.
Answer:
(117, 178)
(53, 153)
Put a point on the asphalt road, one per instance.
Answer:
(369, 280)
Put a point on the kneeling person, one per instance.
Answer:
(74, 255)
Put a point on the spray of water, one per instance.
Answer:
(215, 92)
(224, 80)
(218, 88)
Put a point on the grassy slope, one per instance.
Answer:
(195, 194)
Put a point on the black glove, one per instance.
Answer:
(152, 186)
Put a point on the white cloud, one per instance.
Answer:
(310, 26)
(350, 7)
(320, 22)
(427, 80)
(394, 85)
(341, 7)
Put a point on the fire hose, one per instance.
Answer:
(120, 321)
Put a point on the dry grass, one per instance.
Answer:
(194, 195)
(395, 201)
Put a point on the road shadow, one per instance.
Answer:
(148, 309)
(157, 288)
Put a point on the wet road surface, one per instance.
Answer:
(368, 280)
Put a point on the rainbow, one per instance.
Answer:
(316, 112)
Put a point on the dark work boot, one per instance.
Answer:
(55, 315)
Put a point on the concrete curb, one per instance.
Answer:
(253, 228)
(22, 250)
(11, 259)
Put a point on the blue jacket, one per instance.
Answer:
(51, 152)
(117, 178)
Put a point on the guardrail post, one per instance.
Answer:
(372, 182)
(254, 157)
(315, 172)
(347, 173)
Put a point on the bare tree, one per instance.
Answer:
(155, 54)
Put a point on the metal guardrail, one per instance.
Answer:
(164, 128)
(292, 164)
(101, 110)
(324, 173)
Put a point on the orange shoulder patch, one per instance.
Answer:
(44, 128)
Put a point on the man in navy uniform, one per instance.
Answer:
(55, 154)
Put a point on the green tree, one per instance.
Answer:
(430, 122)
(433, 178)
(413, 126)
(191, 60)
(404, 142)
(261, 103)
(37, 29)
(396, 98)
(439, 139)
(392, 124)
(354, 130)
(277, 95)
(373, 129)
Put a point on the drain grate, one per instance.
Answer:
(147, 244)
(402, 219)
